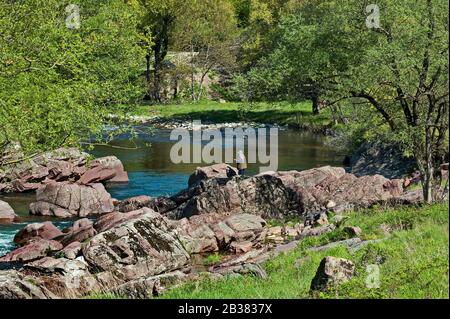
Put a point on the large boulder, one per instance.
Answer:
(80, 231)
(332, 271)
(58, 165)
(64, 164)
(331, 188)
(144, 246)
(45, 230)
(71, 200)
(378, 158)
(35, 249)
(48, 278)
(277, 195)
(135, 203)
(111, 220)
(7, 214)
(261, 195)
(214, 232)
(103, 169)
(214, 171)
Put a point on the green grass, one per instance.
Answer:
(212, 259)
(414, 261)
(284, 113)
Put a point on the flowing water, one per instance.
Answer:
(152, 173)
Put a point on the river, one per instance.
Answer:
(152, 173)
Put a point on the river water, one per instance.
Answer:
(152, 173)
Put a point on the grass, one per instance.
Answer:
(413, 261)
(212, 259)
(283, 113)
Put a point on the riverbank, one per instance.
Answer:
(144, 246)
(297, 115)
(409, 245)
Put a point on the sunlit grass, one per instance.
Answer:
(282, 113)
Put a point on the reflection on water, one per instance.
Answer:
(152, 173)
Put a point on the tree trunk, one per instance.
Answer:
(147, 77)
(175, 87)
(427, 168)
(160, 48)
(316, 104)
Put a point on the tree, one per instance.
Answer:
(158, 23)
(258, 20)
(405, 79)
(57, 84)
(313, 48)
(207, 30)
(398, 69)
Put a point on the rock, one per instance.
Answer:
(33, 250)
(278, 195)
(63, 277)
(315, 189)
(95, 175)
(353, 231)
(20, 186)
(244, 269)
(71, 200)
(45, 230)
(72, 250)
(149, 287)
(211, 232)
(82, 223)
(265, 196)
(317, 231)
(56, 165)
(245, 222)
(214, 171)
(104, 169)
(275, 235)
(198, 238)
(145, 246)
(275, 231)
(16, 285)
(331, 204)
(292, 233)
(7, 214)
(413, 197)
(111, 220)
(64, 164)
(332, 271)
(80, 231)
(114, 164)
(350, 243)
(322, 220)
(135, 203)
(241, 247)
(377, 158)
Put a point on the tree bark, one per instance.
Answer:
(315, 104)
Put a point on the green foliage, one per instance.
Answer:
(58, 84)
(212, 259)
(413, 262)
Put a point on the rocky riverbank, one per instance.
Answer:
(141, 246)
(19, 174)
